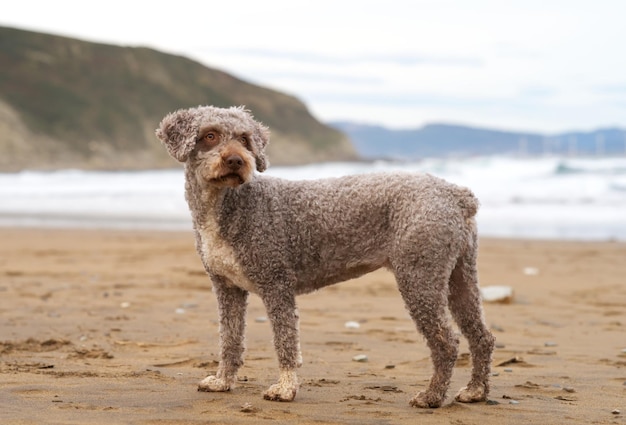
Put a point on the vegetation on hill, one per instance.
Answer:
(71, 103)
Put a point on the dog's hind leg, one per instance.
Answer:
(423, 288)
(465, 306)
(232, 303)
(283, 315)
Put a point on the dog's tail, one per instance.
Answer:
(467, 201)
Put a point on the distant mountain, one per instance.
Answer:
(71, 103)
(443, 140)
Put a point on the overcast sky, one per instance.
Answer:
(538, 65)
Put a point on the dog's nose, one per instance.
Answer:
(234, 162)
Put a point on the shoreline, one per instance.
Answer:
(118, 326)
(142, 224)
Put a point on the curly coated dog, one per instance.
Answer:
(278, 239)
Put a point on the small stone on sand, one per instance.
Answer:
(248, 408)
(531, 271)
(497, 294)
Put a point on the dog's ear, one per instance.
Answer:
(260, 139)
(178, 132)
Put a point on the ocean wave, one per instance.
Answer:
(529, 197)
(610, 167)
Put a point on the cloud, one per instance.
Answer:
(318, 77)
(610, 89)
(403, 100)
(547, 65)
(312, 57)
(538, 91)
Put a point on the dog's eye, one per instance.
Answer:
(210, 137)
(244, 139)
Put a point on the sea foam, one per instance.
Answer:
(548, 198)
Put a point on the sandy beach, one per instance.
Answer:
(117, 327)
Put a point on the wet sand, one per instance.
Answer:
(117, 327)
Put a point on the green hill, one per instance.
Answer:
(71, 103)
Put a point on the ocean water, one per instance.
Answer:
(538, 198)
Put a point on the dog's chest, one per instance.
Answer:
(219, 256)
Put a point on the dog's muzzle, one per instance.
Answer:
(233, 171)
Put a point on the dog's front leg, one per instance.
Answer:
(283, 315)
(232, 303)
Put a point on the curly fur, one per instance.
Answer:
(279, 238)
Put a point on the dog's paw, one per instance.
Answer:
(286, 388)
(278, 392)
(425, 400)
(213, 383)
(472, 394)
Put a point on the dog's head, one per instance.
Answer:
(223, 145)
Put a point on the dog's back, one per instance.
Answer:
(330, 230)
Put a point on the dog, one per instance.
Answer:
(278, 239)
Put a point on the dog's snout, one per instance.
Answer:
(234, 162)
